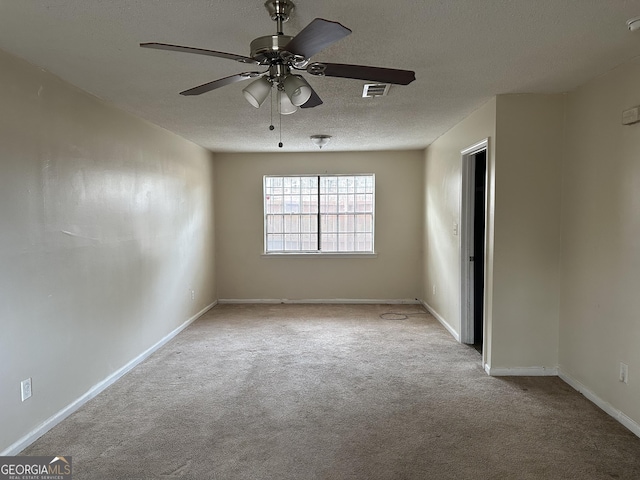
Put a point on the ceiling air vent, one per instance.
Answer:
(375, 90)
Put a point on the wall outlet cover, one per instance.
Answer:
(631, 116)
(25, 389)
(624, 373)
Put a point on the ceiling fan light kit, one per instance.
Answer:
(286, 106)
(257, 91)
(282, 54)
(297, 89)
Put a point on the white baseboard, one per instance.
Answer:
(328, 301)
(444, 323)
(603, 404)
(51, 422)
(522, 371)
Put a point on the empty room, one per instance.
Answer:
(302, 239)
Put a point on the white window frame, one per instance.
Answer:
(323, 253)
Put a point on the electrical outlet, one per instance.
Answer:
(631, 116)
(624, 372)
(434, 289)
(193, 294)
(25, 389)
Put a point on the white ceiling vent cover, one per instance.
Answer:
(375, 90)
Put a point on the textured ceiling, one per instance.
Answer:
(463, 52)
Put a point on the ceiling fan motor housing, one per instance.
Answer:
(265, 49)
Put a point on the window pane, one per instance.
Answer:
(275, 243)
(329, 242)
(343, 184)
(308, 224)
(363, 242)
(291, 243)
(328, 203)
(363, 223)
(307, 202)
(309, 242)
(328, 185)
(369, 184)
(345, 242)
(345, 223)
(292, 204)
(273, 186)
(274, 223)
(329, 223)
(369, 203)
(291, 224)
(343, 203)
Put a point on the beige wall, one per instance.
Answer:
(244, 273)
(526, 262)
(106, 225)
(600, 303)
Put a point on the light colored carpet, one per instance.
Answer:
(335, 392)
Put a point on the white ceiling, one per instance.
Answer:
(463, 52)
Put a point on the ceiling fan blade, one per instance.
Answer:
(362, 72)
(314, 100)
(198, 51)
(221, 82)
(316, 36)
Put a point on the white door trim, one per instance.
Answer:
(467, 201)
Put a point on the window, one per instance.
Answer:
(319, 213)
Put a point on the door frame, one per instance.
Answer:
(467, 208)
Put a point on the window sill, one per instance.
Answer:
(320, 255)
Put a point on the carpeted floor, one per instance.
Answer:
(310, 392)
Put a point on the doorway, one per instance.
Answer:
(479, 175)
(472, 251)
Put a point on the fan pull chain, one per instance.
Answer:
(271, 127)
(280, 118)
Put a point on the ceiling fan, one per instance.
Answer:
(283, 55)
